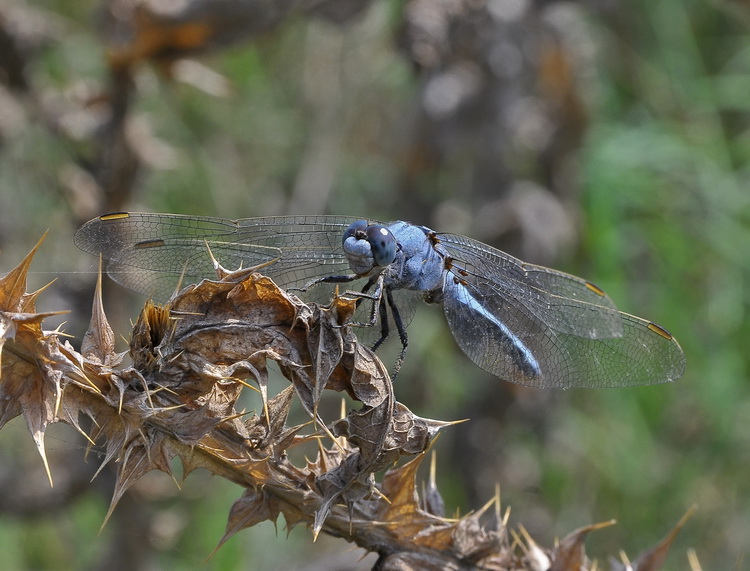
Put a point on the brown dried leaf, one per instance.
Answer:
(254, 507)
(17, 309)
(190, 426)
(487, 547)
(116, 430)
(31, 383)
(348, 482)
(368, 430)
(411, 434)
(654, 558)
(139, 457)
(570, 554)
(352, 480)
(399, 486)
(153, 325)
(98, 345)
(369, 381)
(14, 373)
(326, 346)
(13, 284)
(328, 458)
(273, 430)
(230, 322)
(26, 390)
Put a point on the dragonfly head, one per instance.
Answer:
(369, 247)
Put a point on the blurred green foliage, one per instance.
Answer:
(665, 208)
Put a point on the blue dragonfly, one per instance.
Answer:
(523, 323)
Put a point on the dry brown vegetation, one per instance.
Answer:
(175, 396)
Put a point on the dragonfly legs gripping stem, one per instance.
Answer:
(382, 300)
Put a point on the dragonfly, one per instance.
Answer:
(521, 322)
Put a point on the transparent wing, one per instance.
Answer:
(152, 253)
(543, 328)
(149, 253)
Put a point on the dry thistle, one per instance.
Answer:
(176, 398)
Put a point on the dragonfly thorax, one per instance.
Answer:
(418, 265)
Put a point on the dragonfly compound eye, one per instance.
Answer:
(383, 244)
(357, 228)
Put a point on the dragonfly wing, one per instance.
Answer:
(150, 253)
(547, 329)
(564, 302)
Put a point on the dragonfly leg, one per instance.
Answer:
(384, 326)
(401, 332)
(359, 295)
(376, 297)
(379, 310)
(326, 279)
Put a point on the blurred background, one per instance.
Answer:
(609, 139)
